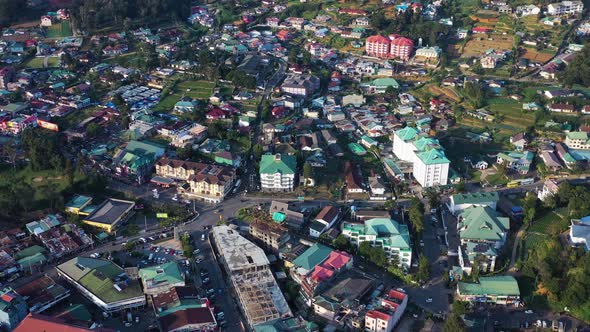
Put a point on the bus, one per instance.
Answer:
(527, 181)
(513, 184)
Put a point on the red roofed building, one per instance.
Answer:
(215, 113)
(42, 323)
(284, 35)
(324, 220)
(338, 260)
(386, 317)
(481, 30)
(352, 11)
(401, 47)
(378, 46)
(321, 273)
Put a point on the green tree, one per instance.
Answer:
(423, 273)
(454, 323)
(433, 198)
(307, 171)
(93, 130)
(530, 207)
(417, 215)
(341, 242)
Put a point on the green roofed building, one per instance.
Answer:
(291, 324)
(311, 257)
(277, 172)
(159, 279)
(482, 224)
(380, 85)
(77, 204)
(137, 159)
(29, 251)
(357, 149)
(498, 290)
(577, 140)
(386, 233)
(103, 282)
(460, 202)
(518, 161)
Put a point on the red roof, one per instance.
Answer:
(396, 295)
(481, 29)
(327, 214)
(377, 315)
(321, 273)
(378, 39)
(337, 259)
(402, 41)
(42, 323)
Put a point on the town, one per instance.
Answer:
(284, 165)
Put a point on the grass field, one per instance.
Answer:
(550, 223)
(59, 30)
(479, 44)
(194, 89)
(512, 111)
(39, 62)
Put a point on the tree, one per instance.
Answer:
(365, 249)
(433, 198)
(185, 152)
(307, 171)
(257, 151)
(93, 130)
(502, 168)
(423, 273)
(69, 170)
(529, 207)
(417, 215)
(460, 308)
(578, 71)
(454, 323)
(341, 242)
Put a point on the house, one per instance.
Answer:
(377, 188)
(13, 308)
(519, 141)
(324, 220)
(380, 85)
(565, 8)
(577, 140)
(137, 159)
(515, 160)
(580, 232)
(300, 85)
(502, 290)
(561, 108)
(110, 214)
(354, 183)
(185, 106)
(281, 212)
(389, 312)
(272, 236)
(38, 322)
(160, 278)
(385, 233)
(277, 172)
(550, 188)
(228, 158)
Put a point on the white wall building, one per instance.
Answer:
(565, 8)
(431, 166)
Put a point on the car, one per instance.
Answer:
(429, 300)
(151, 238)
(206, 280)
(196, 251)
(186, 201)
(202, 237)
(211, 291)
(198, 261)
(142, 240)
(421, 243)
(137, 319)
(175, 198)
(529, 312)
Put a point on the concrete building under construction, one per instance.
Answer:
(259, 296)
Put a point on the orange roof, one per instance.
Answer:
(402, 41)
(377, 315)
(396, 295)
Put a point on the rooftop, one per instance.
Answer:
(37, 322)
(165, 273)
(110, 211)
(497, 285)
(272, 164)
(313, 256)
(482, 223)
(475, 198)
(238, 252)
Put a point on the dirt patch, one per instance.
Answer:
(479, 44)
(446, 92)
(38, 179)
(533, 55)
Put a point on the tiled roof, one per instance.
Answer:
(475, 198)
(191, 316)
(482, 223)
(313, 256)
(284, 164)
(498, 285)
(42, 323)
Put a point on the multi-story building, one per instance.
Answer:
(7, 75)
(577, 140)
(482, 233)
(378, 46)
(400, 47)
(277, 172)
(459, 202)
(210, 183)
(103, 283)
(385, 233)
(496, 290)
(160, 278)
(258, 294)
(385, 317)
(516, 160)
(300, 85)
(565, 8)
(388, 48)
(324, 220)
(273, 236)
(431, 166)
(13, 308)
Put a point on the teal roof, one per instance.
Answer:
(368, 139)
(476, 198)
(497, 285)
(284, 164)
(389, 231)
(433, 157)
(427, 143)
(78, 201)
(30, 251)
(577, 135)
(279, 216)
(385, 82)
(165, 273)
(313, 256)
(32, 260)
(482, 223)
(356, 148)
(407, 133)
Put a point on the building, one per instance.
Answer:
(160, 278)
(430, 165)
(36, 322)
(565, 8)
(501, 290)
(519, 141)
(577, 140)
(13, 308)
(482, 233)
(111, 214)
(258, 294)
(380, 85)
(515, 160)
(459, 202)
(386, 233)
(183, 309)
(271, 235)
(137, 159)
(103, 283)
(341, 297)
(42, 293)
(77, 205)
(580, 232)
(287, 324)
(387, 48)
(277, 172)
(281, 212)
(388, 314)
(207, 182)
(377, 46)
(324, 220)
(300, 85)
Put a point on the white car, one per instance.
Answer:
(429, 300)
(529, 312)
(175, 198)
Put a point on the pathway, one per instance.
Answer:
(519, 236)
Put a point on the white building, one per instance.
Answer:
(386, 317)
(277, 172)
(580, 232)
(431, 166)
(565, 8)
(460, 202)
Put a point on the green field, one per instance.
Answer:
(194, 89)
(59, 30)
(39, 62)
(549, 223)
